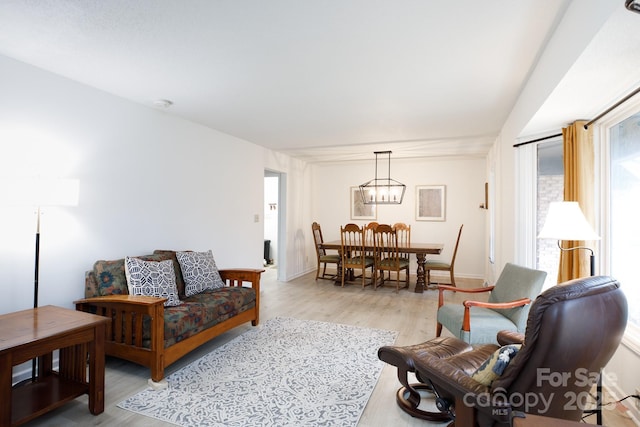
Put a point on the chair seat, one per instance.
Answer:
(434, 264)
(330, 258)
(358, 261)
(403, 263)
(484, 323)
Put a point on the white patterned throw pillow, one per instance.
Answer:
(199, 271)
(152, 278)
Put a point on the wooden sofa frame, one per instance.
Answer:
(127, 314)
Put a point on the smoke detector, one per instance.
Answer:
(162, 103)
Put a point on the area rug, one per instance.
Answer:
(286, 372)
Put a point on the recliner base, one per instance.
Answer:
(412, 409)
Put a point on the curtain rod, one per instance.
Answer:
(536, 140)
(592, 121)
(614, 106)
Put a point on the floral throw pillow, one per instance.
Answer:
(152, 278)
(199, 271)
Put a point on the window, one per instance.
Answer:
(550, 188)
(624, 205)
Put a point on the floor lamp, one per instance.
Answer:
(39, 193)
(565, 221)
(42, 193)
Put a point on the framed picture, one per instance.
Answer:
(430, 202)
(358, 209)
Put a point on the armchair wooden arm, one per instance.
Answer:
(443, 288)
(466, 320)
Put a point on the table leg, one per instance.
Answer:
(339, 271)
(5, 389)
(420, 282)
(96, 371)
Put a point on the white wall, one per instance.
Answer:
(464, 180)
(147, 181)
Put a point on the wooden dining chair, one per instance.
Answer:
(403, 231)
(438, 265)
(369, 240)
(323, 258)
(388, 256)
(353, 253)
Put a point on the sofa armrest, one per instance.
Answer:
(237, 276)
(127, 314)
(139, 300)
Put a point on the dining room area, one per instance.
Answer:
(446, 206)
(381, 249)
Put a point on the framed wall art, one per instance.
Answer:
(430, 202)
(358, 209)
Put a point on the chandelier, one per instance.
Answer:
(632, 5)
(382, 191)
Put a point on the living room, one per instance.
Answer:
(150, 179)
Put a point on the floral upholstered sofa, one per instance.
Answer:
(155, 331)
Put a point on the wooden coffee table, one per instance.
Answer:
(36, 333)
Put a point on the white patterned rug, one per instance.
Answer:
(286, 372)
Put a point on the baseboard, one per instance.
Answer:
(435, 276)
(303, 273)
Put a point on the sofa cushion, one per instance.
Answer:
(199, 271)
(204, 310)
(152, 278)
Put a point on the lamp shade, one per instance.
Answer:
(565, 221)
(39, 192)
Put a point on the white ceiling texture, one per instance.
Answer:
(321, 80)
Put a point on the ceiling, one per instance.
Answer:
(319, 80)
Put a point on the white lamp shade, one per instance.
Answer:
(565, 221)
(39, 192)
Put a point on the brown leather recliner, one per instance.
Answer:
(572, 331)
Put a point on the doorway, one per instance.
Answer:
(274, 240)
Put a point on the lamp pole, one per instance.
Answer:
(36, 273)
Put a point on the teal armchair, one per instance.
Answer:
(478, 322)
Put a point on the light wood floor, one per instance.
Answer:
(411, 314)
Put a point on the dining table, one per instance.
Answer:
(420, 249)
